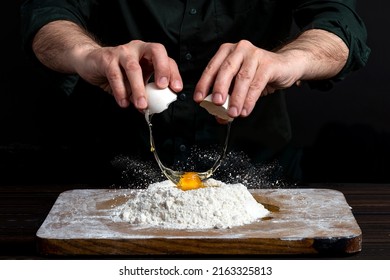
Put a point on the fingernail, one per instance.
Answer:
(244, 112)
(198, 96)
(177, 84)
(233, 112)
(217, 97)
(141, 103)
(163, 81)
(124, 103)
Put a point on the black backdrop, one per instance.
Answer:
(343, 135)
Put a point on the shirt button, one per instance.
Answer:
(193, 11)
(182, 96)
(183, 148)
(188, 56)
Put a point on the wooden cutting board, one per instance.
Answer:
(302, 221)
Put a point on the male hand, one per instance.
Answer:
(246, 72)
(123, 70)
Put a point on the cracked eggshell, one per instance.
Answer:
(158, 99)
(218, 111)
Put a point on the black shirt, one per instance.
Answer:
(192, 31)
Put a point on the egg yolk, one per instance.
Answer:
(190, 181)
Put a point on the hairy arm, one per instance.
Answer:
(319, 54)
(60, 46)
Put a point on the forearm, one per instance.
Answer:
(59, 45)
(318, 54)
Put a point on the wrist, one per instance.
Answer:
(297, 61)
(79, 53)
(317, 54)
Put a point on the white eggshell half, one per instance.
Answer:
(215, 110)
(158, 99)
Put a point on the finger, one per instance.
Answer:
(224, 80)
(175, 82)
(268, 90)
(237, 67)
(116, 85)
(136, 82)
(256, 89)
(133, 72)
(106, 87)
(157, 54)
(207, 78)
(241, 94)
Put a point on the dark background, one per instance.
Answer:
(342, 135)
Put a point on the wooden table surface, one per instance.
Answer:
(24, 208)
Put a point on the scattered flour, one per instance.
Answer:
(219, 205)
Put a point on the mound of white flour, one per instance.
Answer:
(217, 206)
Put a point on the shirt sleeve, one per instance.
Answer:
(36, 13)
(339, 17)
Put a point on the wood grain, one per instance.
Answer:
(302, 221)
